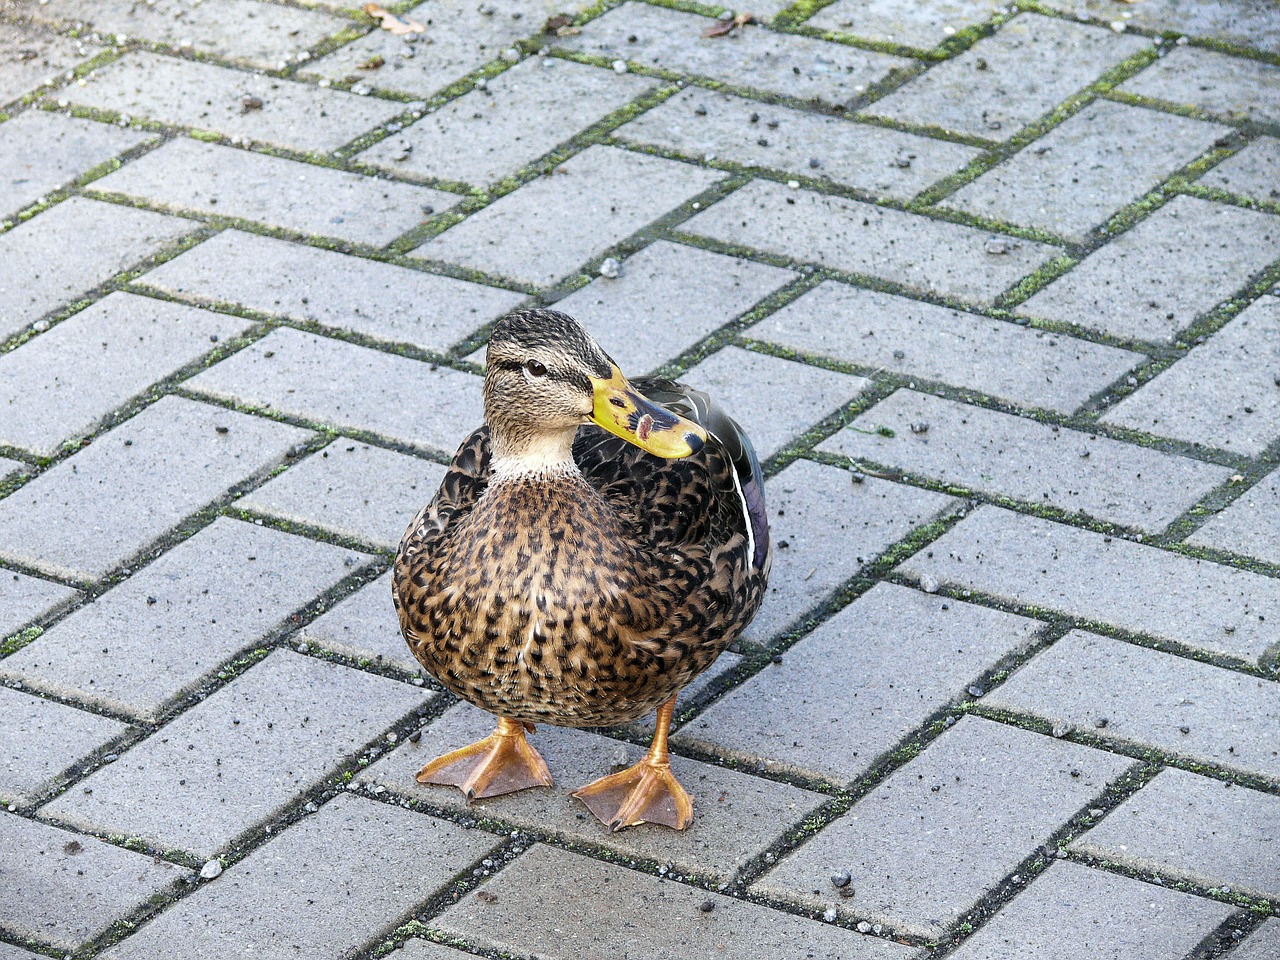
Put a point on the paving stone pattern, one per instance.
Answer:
(993, 286)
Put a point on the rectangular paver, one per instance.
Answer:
(353, 489)
(1236, 87)
(30, 58)
(999, 453)
(760, 391)
(921, 254)
(25, 598)
(600, 916)
(1138, 285)
(1262, 944)
(825, 528)
(980, 799)
(879, 160)
(671, 296)
(64, 888)
(203, 96)
(1134, 695)
(314, 892)
(171, 625)
(41, 151)
(550, 227)
(800, 67)
(1253, 172)
(519, 115)
(735, 817)
(303, 375)
(62, 383)
(85, 516)
(851, 690)
(364, 626)
(1212, 833)
(894, 334)
(1070, 911)
(1072, 179)
(299, 282)
(240, 755)
(40, 739)
(1222, 394)
(260, 34)
(1250, 23)
(60, 254)
(1107, 579)
(211, 179)
(919, 23)
(1011, 78)
(1249, 525)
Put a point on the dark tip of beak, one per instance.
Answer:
(694, 441)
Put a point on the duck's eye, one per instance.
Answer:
(536, 368)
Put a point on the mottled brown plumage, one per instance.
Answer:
(588, 585)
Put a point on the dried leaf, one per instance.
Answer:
(721, 27)
(556, 23)
(393, 21)
(373, 63)
(486, 896)
(72, 847)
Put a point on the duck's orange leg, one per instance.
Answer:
(502, 762)
(645, 793)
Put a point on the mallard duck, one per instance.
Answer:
(593, 547)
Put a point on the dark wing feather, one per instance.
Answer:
(463, 483)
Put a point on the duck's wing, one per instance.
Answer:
(463, 483)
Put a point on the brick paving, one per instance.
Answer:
(994, 287)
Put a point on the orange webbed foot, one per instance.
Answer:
(502, 762)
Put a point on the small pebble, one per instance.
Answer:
(975, 690)
(1060, 729)
(829, 914)
(999, 245)
(619, 66)
(40, 326)
(211, 870)
(929, 584)
(899, 354)
(902, 161)
(841, 879)
(706, 906)
(920, 427)
(857, 476)
(610, 268)
(701, 111)
(814, 163)
(793, 184)
(864, 927)
(1101, 722)
(415, 736)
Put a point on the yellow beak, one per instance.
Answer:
(625, 412)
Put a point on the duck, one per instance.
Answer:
(593, 547)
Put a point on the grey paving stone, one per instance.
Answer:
(263, 35)
(915, 23)
(1138, 285)
(832, 528)
(10, 952)
(752, 56)
(303, 375)
(62, 383)
(1218, 395)
(521, 114)
(1107, 579)
(62, 253)
(760, 391)
(1194, 828)
(881, 331)
(334, 882)
(41, 151)
(1214, 81)
(203, 96)
(980, 798)
(1251, 23)
(1011, 78)
(298, 282)
(1148, 699)
(735, 817)
(11, 468)
(567, 922)
(167, 628)
(1071, 911)
(667, 298)
(353, 489)
(880, 160)
(549, 227)
(40, 739)
(821, 712)
(272, 733)
(1262, 944)
(85, 516)
(914, 251)
(65, 895)
(24, 599)
(426, 950)
(213, 179)
(1003, 454)
(1250, 525)
(31, 57)
(459, 38)
(1253, 172)
(1084, 170)
(364, 625)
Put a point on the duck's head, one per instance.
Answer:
(545, 377)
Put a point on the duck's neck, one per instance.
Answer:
(524, 456)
